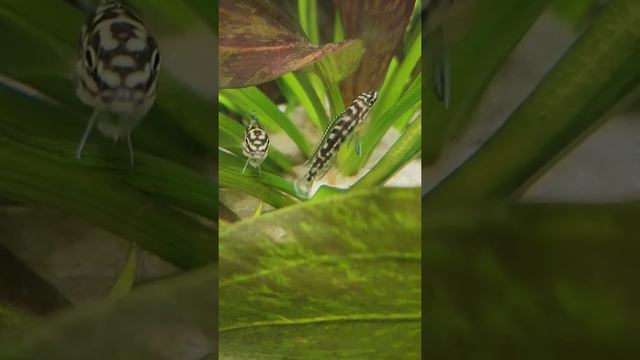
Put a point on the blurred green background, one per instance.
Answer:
(530, 181)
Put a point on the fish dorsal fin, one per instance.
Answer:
(324, 137)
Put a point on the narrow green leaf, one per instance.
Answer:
(261, 186)
(308, 14)
(127, 275)
(483, 32)
(176, 185)
(258, 209)
(252, 99)
(338, 30)
(230, 136)
(401, 152)
(568, 104)
(301, 86)
(236, 164)
(394, 89)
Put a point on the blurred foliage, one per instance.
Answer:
(575, 12)
(166, 204)
(171, 319)
(531, 281)
(507, 279)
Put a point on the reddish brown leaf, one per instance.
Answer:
(259, 42)
(381, 25)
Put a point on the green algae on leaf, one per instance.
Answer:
(333, 278)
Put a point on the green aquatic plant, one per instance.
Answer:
(510, 279)
(310, 76)
(338, 270)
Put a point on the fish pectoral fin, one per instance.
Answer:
(357, 144)
(440, 75)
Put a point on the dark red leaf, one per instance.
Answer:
(260, 41)
(381, 25)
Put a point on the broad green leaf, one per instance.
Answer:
(174, 319)
(569, 103)
(339, 275)
(258, 210)
(531, 281)
(127, 276)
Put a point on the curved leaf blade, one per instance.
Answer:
(361, 252)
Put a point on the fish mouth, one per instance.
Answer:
(125, 101)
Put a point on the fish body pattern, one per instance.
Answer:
(117, 67)
(255, 145)
(336, 134)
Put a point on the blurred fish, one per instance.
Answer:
(437, 16)
(117, 68)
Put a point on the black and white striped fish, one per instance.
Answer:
(337, 133)
(255, 145)
(117, 67)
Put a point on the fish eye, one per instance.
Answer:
(372, 99)
(155, 60)
(89, 58)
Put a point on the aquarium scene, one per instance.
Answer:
(319, 124)
(319, 179)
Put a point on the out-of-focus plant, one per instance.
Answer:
(166, 204)
(507, 279)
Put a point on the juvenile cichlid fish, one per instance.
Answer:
(255, 145)
(337, 133)
(117, 70)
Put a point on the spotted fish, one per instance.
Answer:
(255, 145)
(117, 67)
(337, 133)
